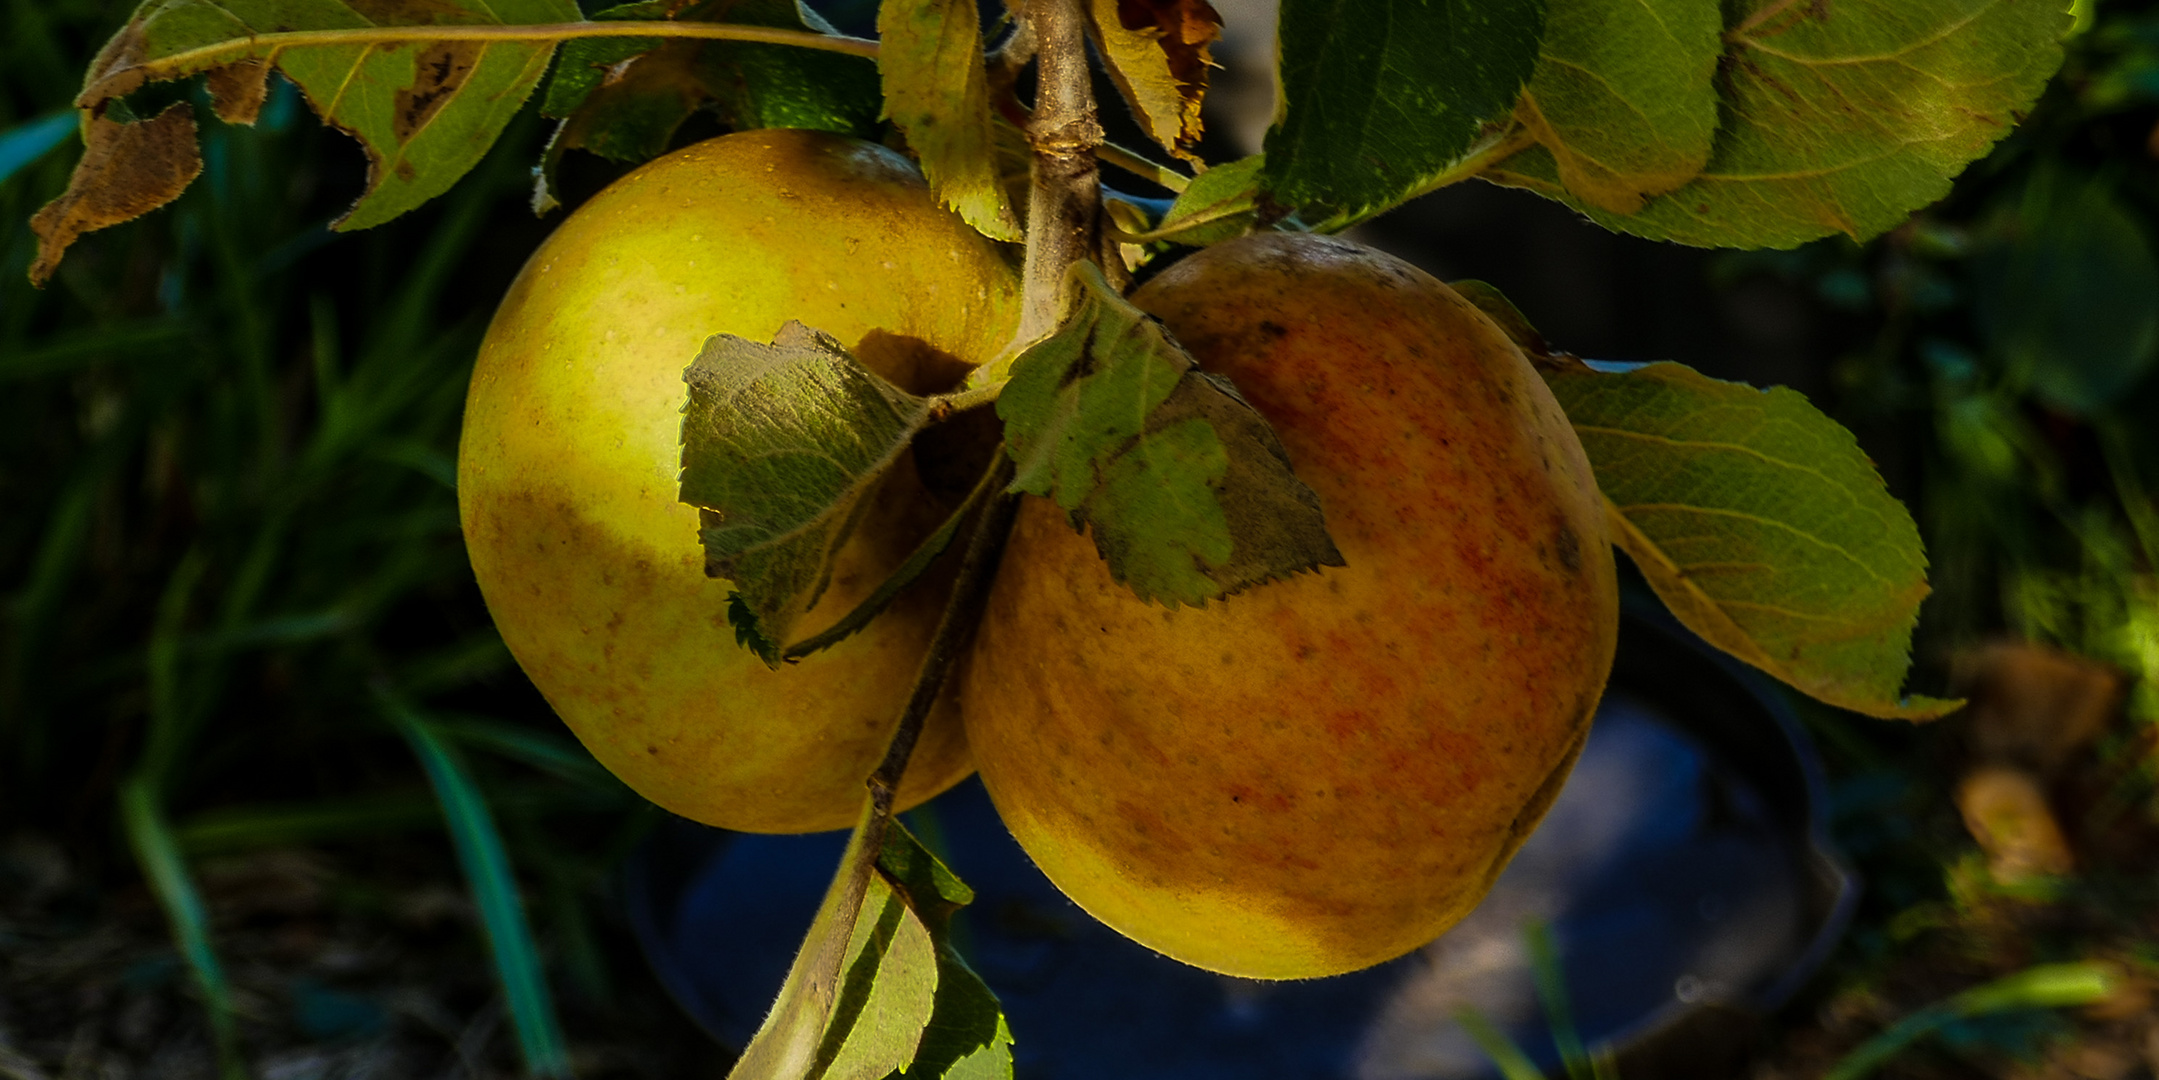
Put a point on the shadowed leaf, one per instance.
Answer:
(783, 446)
(624, 98)
(1762, 525)
(1380, 96)
(1188, 492)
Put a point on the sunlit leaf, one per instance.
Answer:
(1842, 117)
(876, 988)
(1158, 53)
(1624, 96)
(937, 93)
(1761, 524)
(1187, 491)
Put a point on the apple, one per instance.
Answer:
(568, 462)
(1322, 773)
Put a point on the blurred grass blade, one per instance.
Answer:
(2047, 986)
(245, 827)
(25, 143)
(494, 889)
(1512, 1063)
(1552, 994)
(159, 856)
(564, 758)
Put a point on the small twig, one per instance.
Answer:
(978, 570)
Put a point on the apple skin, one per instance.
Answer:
(568, 462)
(1323, 773)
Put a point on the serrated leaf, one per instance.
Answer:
(1158, 53)
(126, 171)
(1186, 489)
(1762, 525)
(1220, 204)
(2066, 294)
(877, 988)
(1624, 96)
(624, 98)
(1842, 117)
(1379, 96)
(937, 93)
(782, 445)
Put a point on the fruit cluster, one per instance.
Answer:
(1303, 779)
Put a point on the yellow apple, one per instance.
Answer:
(1319, 774)
(568, 462)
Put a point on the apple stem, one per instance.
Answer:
(1063, 204)
(978, 569)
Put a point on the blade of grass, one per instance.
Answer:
(494, 888)
(1512, 1063)
(2047, 986)
(24, 143)
(159, 856)
(245, 827)
(1551, 982)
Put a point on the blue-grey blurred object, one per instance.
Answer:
(1683, 871)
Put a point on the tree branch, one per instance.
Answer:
(1063, 202)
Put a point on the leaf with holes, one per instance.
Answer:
(1761, 524)
(425, 110)
(1157, 52)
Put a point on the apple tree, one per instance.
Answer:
(1757, 124)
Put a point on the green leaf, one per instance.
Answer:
(1624, 96)
(2045, 986)
(937, 93)
(2067, 294)
(1380, 96)
(1220, 204)
(425, 111)
(877, 988)
(624, 98)
(1761, 524)
(26, 142)
(486, 864)
(142, 814)
(1188, 492)
(1841, 117)
(781, 446)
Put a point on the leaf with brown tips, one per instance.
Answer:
(126, 171)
